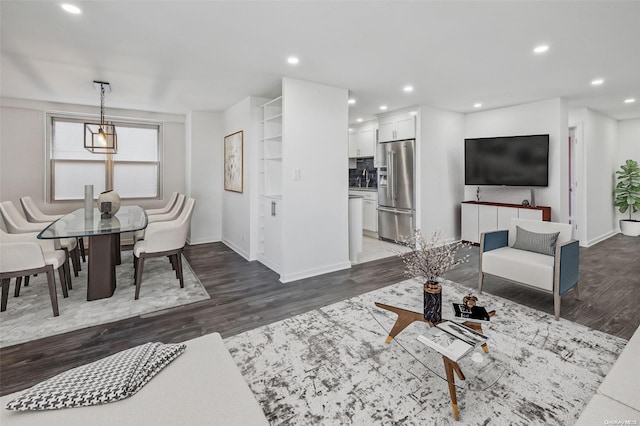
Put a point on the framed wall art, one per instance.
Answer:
(233, 159)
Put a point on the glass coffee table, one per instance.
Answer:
(476, 371)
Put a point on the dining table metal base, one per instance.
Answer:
(104, 255)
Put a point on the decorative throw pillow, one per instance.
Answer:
(109, 379)
(536, 242)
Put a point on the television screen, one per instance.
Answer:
(507, 161)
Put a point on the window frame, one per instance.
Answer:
(109, 162)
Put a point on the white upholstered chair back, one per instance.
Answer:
(34, 214)
(172, 214)
(565, 229)
(167, 207)
(171, 235)
(14, 221)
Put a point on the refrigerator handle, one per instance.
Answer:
(389, 176)
(392, 183)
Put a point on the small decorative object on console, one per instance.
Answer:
(525, 203)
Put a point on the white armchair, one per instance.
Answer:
(25, 255)
(35, 215)
(517, 256)
(164, 239)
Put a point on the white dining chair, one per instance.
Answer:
(166, 208)
(25, 255)
(165, 217)
(16, 224)
(35, 215)
(164, 239)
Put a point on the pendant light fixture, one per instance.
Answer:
(101, 138)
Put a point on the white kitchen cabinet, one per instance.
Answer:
(369, 209)
(362, 142)
(397, 127)
(370, 215)
(486, 217)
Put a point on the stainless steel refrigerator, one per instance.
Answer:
(396, 198)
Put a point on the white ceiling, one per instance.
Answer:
(179, 56)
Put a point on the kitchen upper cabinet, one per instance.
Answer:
(397, 127)
(362, 142)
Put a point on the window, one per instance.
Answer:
(134, 172)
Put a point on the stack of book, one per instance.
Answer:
(452, 340)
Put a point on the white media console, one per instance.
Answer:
(479, 217)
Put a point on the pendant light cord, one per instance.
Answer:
(101, 105)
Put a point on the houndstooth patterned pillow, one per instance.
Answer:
(110, 379)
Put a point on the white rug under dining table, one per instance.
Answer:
(29, 316)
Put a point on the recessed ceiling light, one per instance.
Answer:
(477, 105)
(597, 82)
(359, 120)
(629, 101)
(352, 101)
(71, 8)
(350, 128)
(383, 107)
(408, 89)
(293, 60)
(541, 49)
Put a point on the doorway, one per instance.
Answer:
(572, 176)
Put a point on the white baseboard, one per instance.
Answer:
(204, 240)
(603, 237)
(315, 271)
(270, 264)
(235, 248)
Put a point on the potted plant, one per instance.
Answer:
(428, 260)
(627, 196)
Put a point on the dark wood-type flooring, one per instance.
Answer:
(246, 295)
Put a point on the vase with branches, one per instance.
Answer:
(428, 260)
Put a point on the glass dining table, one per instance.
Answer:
(104, 242)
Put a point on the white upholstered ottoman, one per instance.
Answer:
(203, 386)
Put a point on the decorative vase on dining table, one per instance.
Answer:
(432, 301)
(111, 197)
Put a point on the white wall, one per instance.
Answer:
(628, 148)
(204, 140)
(22, 151)
(543, 117)
(239, 210)
(440, 171)
(315, 208)
(236, 207)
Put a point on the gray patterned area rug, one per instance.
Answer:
(331, 366)
(29, 316)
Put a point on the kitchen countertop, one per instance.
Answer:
(362, 188)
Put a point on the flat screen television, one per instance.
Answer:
(507, 161)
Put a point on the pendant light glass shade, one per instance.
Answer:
(101, 138)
